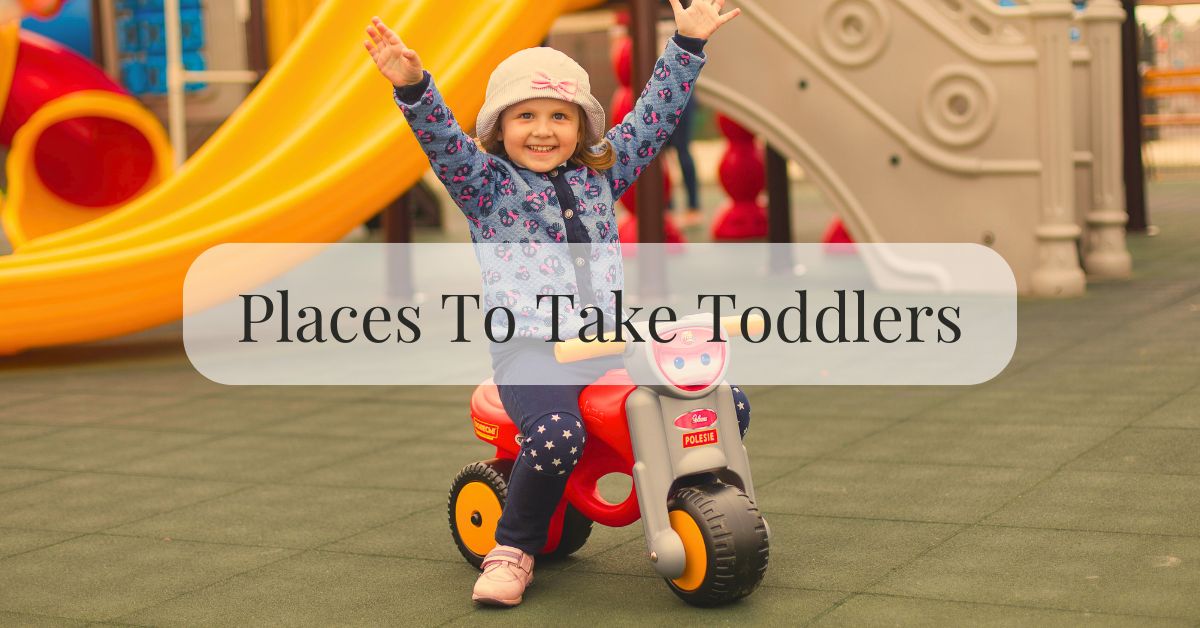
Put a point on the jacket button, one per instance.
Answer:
(579, 261)
(569, 214)
(554, 173)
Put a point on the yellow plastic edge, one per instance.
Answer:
(9, 41)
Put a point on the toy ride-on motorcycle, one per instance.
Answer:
(679, 440)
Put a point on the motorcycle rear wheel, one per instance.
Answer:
(477, 497)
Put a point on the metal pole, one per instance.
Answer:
(176, 115)
(397, 229)
(177, 76)
(1135, 173)
(643, 30)
(104, 44)
(779, 212)
(222, 76)
(256, 38)
(779, 201)
(652, 277)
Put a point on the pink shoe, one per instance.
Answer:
(506, 572)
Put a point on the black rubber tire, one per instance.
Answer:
(576, 530)
(735, 542)
(493, 473)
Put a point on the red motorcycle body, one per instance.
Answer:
(608, 448)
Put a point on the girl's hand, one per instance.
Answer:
(702, 18)
(397, 63)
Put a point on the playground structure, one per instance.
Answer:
(1010, 136)
(1007, 133)
(313, 152)
(80, 145)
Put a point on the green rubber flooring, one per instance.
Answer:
(1064, 492)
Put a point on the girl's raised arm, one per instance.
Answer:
(702, 18)
(456, 160)
(639, 136)
(396, 62)
(642, 133)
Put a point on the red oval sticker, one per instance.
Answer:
(696, 419)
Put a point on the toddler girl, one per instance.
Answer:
(547, 174)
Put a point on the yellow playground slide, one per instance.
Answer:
(315, 150)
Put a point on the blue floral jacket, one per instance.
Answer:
(555, 232)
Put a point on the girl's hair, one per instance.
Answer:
(598, 161)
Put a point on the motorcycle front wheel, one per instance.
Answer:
(725, 539)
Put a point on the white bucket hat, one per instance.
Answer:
(540, 73)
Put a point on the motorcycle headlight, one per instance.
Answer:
(691, 361)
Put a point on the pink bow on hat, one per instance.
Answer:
(565, 88)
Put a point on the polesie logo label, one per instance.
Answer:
(695, 419)
(485, 431)
(698, 439)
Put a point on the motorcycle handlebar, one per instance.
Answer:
(575, 350)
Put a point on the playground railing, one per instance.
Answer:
(1171, 124)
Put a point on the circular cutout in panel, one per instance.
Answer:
(854, 32)
(959, 107)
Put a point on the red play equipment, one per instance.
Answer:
(80, 144)
(93, 162)
(837, 240)
(743, 175)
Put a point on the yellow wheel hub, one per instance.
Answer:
(696, 556)
(476, 513)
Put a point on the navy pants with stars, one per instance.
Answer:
(552, 432)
